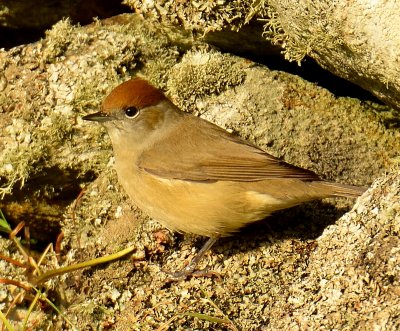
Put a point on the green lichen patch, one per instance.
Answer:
(77, 67)
(200, 15)
(202, 73)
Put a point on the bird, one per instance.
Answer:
(193, 176)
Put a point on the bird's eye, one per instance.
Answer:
(131, 112)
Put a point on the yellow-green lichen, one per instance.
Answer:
(314, 25)
(201, 73)
(57, 40)
(200, 15)
(79, 67)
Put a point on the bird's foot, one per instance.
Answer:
(190, 269)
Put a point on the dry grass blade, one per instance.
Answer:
(104, 259)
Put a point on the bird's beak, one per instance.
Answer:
(98, 117)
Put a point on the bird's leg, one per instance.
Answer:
(189, 269)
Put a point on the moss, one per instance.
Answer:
(200, 15)
(58, 39)
(206, 16)
(202, 73)
(81, 65)
(296, 42)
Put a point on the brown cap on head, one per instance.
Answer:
(134, 92)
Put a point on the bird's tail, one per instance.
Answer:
(342, 190)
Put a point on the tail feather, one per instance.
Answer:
(343, 190)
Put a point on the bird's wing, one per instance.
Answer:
(201, 151)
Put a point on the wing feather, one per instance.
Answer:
(197, 150)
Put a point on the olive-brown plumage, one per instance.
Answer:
(193, 176)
